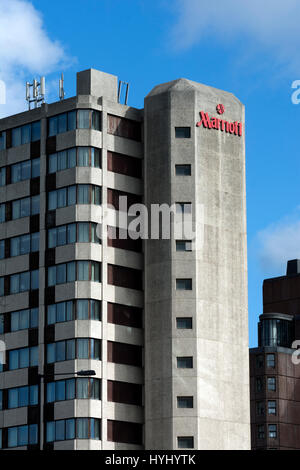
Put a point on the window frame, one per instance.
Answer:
(185, 361)
(180, 440)
(269, 387)
(183, 132)
(189, 321)
(271, 361)
(183, 166)
(274, 407)
(272, 434)
(185, 399)
(185, 283)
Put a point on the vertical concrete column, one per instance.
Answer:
(42, 274)
(104, 281)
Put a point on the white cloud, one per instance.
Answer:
(278, 243)
(25, 50)
(271, 24)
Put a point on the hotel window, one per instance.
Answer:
(261, 431)
(182, 132)
(124, 315)
(60, 312)
(271, 384)
(185, 402)
(183, 208)
(259, 384)
(26, 134)
(1, 399)
(71, 389)
(122, 353)
(81, 119)
(63, 235)
(2, 249)
(184, 323)
(24, 319)
(260, 408)
(183, 170)
(124, 277)
(185, 362)
(185, 442)
(88, 119)
(118, 199)
(24, 282)
(94, 120)
(184, 284)
(79, 428)
(122, 239)
(74, 271)
(272, 407)
(124, 165)
(259, 361)
(62, 198)
(22, 435)
(23, 358)
(2, 212)
(183, 245)
(80, 156)
(81, 348)
(3, 176)
(89, 156)
(81, 309)
(124, 431)
(71, 195)
(29, 243)
(62, 123)
(82, 232)
(25, 170)
(88, 309)
(275, 332)
(123, 127)
(1, 324)
(271, 361)
(62, 160)
(124, 392)
(3, 140)
(273, 431)
(23, 396)
(25, 207)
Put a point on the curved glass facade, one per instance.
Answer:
(275, 332)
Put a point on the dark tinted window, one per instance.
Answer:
(183, 170)
(184, 323)
(182, 132)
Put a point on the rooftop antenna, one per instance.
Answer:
(61, 88)
(120, 90)
(38, 92)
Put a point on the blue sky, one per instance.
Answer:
(241, 47)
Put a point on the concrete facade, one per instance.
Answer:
(218, 381)
(217, 266)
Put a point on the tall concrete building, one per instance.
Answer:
(275, 372)
(161, 320)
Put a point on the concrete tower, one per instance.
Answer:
(196, 323)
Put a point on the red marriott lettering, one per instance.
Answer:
(235, 128)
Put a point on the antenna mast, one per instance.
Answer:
(38, 92)
(61, 88)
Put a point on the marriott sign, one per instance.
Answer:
(235, 128)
